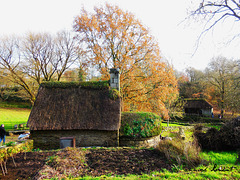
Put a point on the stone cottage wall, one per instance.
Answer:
(51, 139)
(207, 112)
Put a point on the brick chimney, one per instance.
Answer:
(114, 79)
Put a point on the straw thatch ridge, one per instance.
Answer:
(74, 107)
(197, 103)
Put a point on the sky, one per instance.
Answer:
(176, 36)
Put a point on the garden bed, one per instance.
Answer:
(94, 162)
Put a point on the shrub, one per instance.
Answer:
(114, 94)
(140, 124)
(11, 143)
(184, 154)
(227, 138)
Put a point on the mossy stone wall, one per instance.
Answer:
(50, 139)
(139, 142)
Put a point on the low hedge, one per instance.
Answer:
(140, 125)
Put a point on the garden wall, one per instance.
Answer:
(50, 139)
(139, 142)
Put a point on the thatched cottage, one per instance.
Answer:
(88, 112)
(198, 106)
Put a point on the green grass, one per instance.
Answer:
(220, 158)
(11, 116)
(201, 175)
(216, 126)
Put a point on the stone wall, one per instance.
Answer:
(139, 142)
(172, 128)
(84, 138)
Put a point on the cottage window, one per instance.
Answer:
(67, 142)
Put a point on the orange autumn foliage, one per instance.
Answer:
(113, 38)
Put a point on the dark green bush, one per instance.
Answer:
(12, 94)
(140, 124)
(227, 138)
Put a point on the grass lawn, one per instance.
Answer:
(11, 116)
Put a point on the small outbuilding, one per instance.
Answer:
(198, 107)
(88, 113)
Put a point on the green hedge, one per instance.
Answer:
(140, 124)
(85, 85)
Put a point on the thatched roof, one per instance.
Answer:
(66, 106)
(197, 104)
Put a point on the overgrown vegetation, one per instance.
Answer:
(140, 124)
(181, 153)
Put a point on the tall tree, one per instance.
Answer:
(47, 56)
(194, 75)
(233, 94)
(38, 54)
(193, 85)
(9, 62)
(114, 38)
(34, 58)
(66, 52)
(220, 73)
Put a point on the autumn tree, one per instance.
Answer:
(116, 39)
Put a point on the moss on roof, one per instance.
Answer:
(84, 85)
